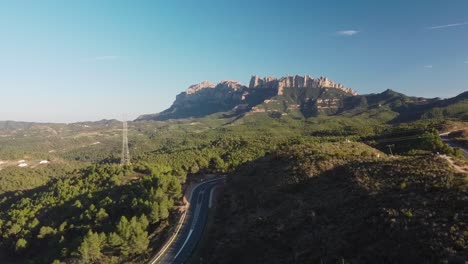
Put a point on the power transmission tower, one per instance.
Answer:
(125, 151)
(390, 148)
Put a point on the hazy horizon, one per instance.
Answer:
(87, 60)
(99, 117)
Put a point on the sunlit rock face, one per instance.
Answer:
(296, 82)
(206, 98)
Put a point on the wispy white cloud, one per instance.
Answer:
(466, 62)
(428, 66)
(347, 33)
(448, 25)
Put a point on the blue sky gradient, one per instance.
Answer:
(65, 61)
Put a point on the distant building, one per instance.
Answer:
(21, 161)
(22, 165)
(44, 162)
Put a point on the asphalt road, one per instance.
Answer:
(453, 144)
(192, 229)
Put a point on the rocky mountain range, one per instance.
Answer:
(296, 82)
(206, 98)
(304, 97)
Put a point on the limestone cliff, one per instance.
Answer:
(207, 98)
(296, 82)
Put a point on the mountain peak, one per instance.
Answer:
(298, 81)
(207, 98)
(230, 84)
(200, 86)
(391, 92)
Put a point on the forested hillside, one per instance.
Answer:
(341, 203)
(94, 211)
(233, 132)
(103, 212)
(305, 97)
(80, 206)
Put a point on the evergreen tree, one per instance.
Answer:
(131, 237)
(164, 208)
(139, 237)
(114, 240)
(174, 189)
(154, 213)
(101, 215)
(90, 248)
(45, 231)
(21, 244)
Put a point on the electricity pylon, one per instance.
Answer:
(390, 148)
(125, 151)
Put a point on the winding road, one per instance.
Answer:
(180, 246)
(190, 228)
(452, 143)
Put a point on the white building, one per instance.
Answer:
(22, 165)
(44, 162)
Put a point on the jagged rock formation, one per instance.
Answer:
(305, 97)
(202, 99)
(200, 86)
(206, 98)
(296, 82)
(225, 90)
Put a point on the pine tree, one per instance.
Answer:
(139, 237)
(131, 236)
(114, 240)
(174, 189)
(154, 213)
(21, 244)
(164, 208)
(101, 215)
(45, 231)
(143, 220)
(124, 233)
(123, 228)
(90, 248)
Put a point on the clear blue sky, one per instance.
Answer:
(66, 61)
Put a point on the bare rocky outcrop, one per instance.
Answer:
(269, 82)
(297, 81)
(200, 86)
(230, 85)
(225, 85)
(207, 98)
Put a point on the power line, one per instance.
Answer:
(400, 131)
(385, 140)
(125, 160)
(389, 137)
(390, 148)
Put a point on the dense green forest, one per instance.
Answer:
(340, 203)
(97, 213)
(83, 207)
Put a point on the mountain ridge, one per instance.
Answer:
(304, 97)
(206, 98)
